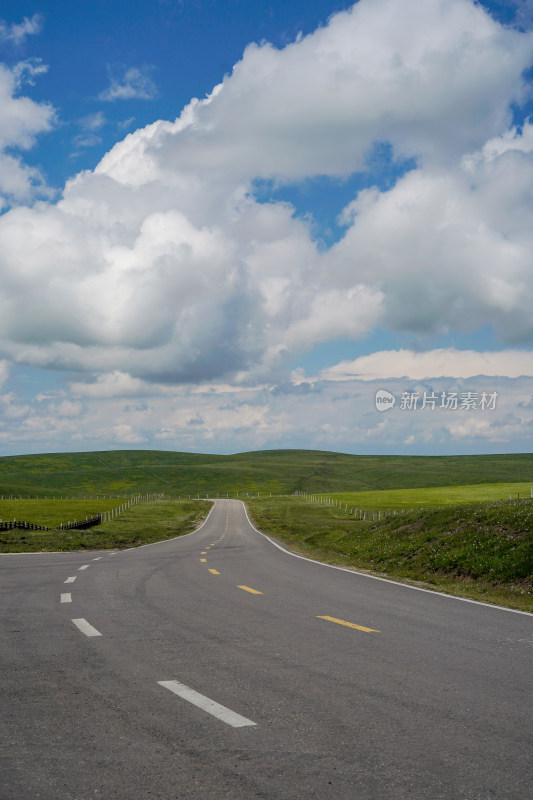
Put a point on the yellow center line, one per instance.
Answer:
(203, 553)
(247, 589)
(214, 572)
(203, 560)
(350, 624)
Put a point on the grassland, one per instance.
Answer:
(144, 523)
(276, 471)
(482, 551)
(53, 513)
(432, 497)
(457, 539)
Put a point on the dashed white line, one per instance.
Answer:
(199, 700)
(85, 627)
(66, 597)
(83, 567)
(71, 579)
(98, 558)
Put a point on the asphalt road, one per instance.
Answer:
(223, 669)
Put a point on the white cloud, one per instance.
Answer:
(450, 250)
(21, 121)
(472, 428)
(326, 415)
(133, 83)
(125, 434)
(4, 371)
(441, 363)
(93, 122)
(17, 31)
(26, 71)
(86, 140)
(435, 79)
(111, 384)
(160, 264)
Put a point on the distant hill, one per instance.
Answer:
(276, 471)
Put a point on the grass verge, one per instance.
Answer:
(148, 522)
(483, 552)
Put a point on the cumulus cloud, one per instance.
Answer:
(133, 83)
(21, 121)
(330, 415)
(434, 79)
(451, 249)
(111, 384)
(125, 434)
(161, 264)
(444, 362)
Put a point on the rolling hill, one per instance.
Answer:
(276, 471)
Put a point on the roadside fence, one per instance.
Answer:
(133, 501)
(88, 522)
(379, 514)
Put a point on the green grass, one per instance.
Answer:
(471, 549)
(436, 496)
(144, 523)
(276, 471)
(53, 513)
(482, 551)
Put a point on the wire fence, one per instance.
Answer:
(363, 514)
(88, 522)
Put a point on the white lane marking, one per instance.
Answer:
(71, 579)
(199, 700)
(66, 597)
(85, 627)
(385, 580)
(98, 559)
(84, 566)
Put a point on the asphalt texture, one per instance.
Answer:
(432, 700)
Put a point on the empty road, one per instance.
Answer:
(216, 665)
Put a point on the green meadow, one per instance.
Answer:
(400, 499)
(456, 530)
(147, 522)
(268, 471)
(53, 513)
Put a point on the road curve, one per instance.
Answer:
(215, 665)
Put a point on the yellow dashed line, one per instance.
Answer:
(247, 589)
(214, 572)
(203, 560)
(349, 624)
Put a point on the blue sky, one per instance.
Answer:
(345, 207)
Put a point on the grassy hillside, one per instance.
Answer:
(276, 471)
